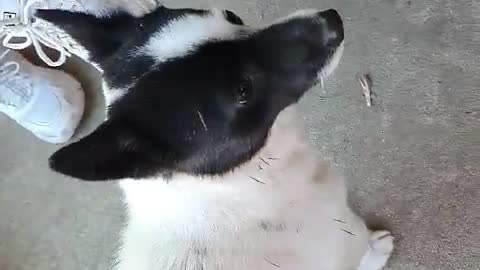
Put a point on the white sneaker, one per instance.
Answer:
(19, 29)
(47, 102)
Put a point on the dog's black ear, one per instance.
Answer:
(100, 36)
(113, 151)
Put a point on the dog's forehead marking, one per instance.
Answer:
(182, 35)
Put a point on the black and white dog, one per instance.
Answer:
(202, 133)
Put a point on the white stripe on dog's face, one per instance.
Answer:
(332, 63)
(181, 36)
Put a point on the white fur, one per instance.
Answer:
(304, 13)
(182, 35)
(112, 94)
(137, 8)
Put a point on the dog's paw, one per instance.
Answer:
(381, 242)
(380, 247)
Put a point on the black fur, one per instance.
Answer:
(204, 113)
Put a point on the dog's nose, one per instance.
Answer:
(334, 27)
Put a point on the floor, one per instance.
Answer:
(412, 160)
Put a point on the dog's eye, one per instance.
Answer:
(232, 17)
(244, 91)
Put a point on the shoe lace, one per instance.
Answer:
(8, 70)
(34, 33)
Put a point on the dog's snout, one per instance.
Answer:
(334, 21)
(334, 26)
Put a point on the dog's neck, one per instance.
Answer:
(284, 166)
(287, 148)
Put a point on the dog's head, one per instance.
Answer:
(192, 91)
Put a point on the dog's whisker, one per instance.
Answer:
(200, 116)
(272, 263)
(339, 221)
(348, 232)
(256, 180)
(264, 161)
(273, 158)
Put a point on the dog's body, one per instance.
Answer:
(203, 134)
(281, 210)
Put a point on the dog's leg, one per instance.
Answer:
(380, 248)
